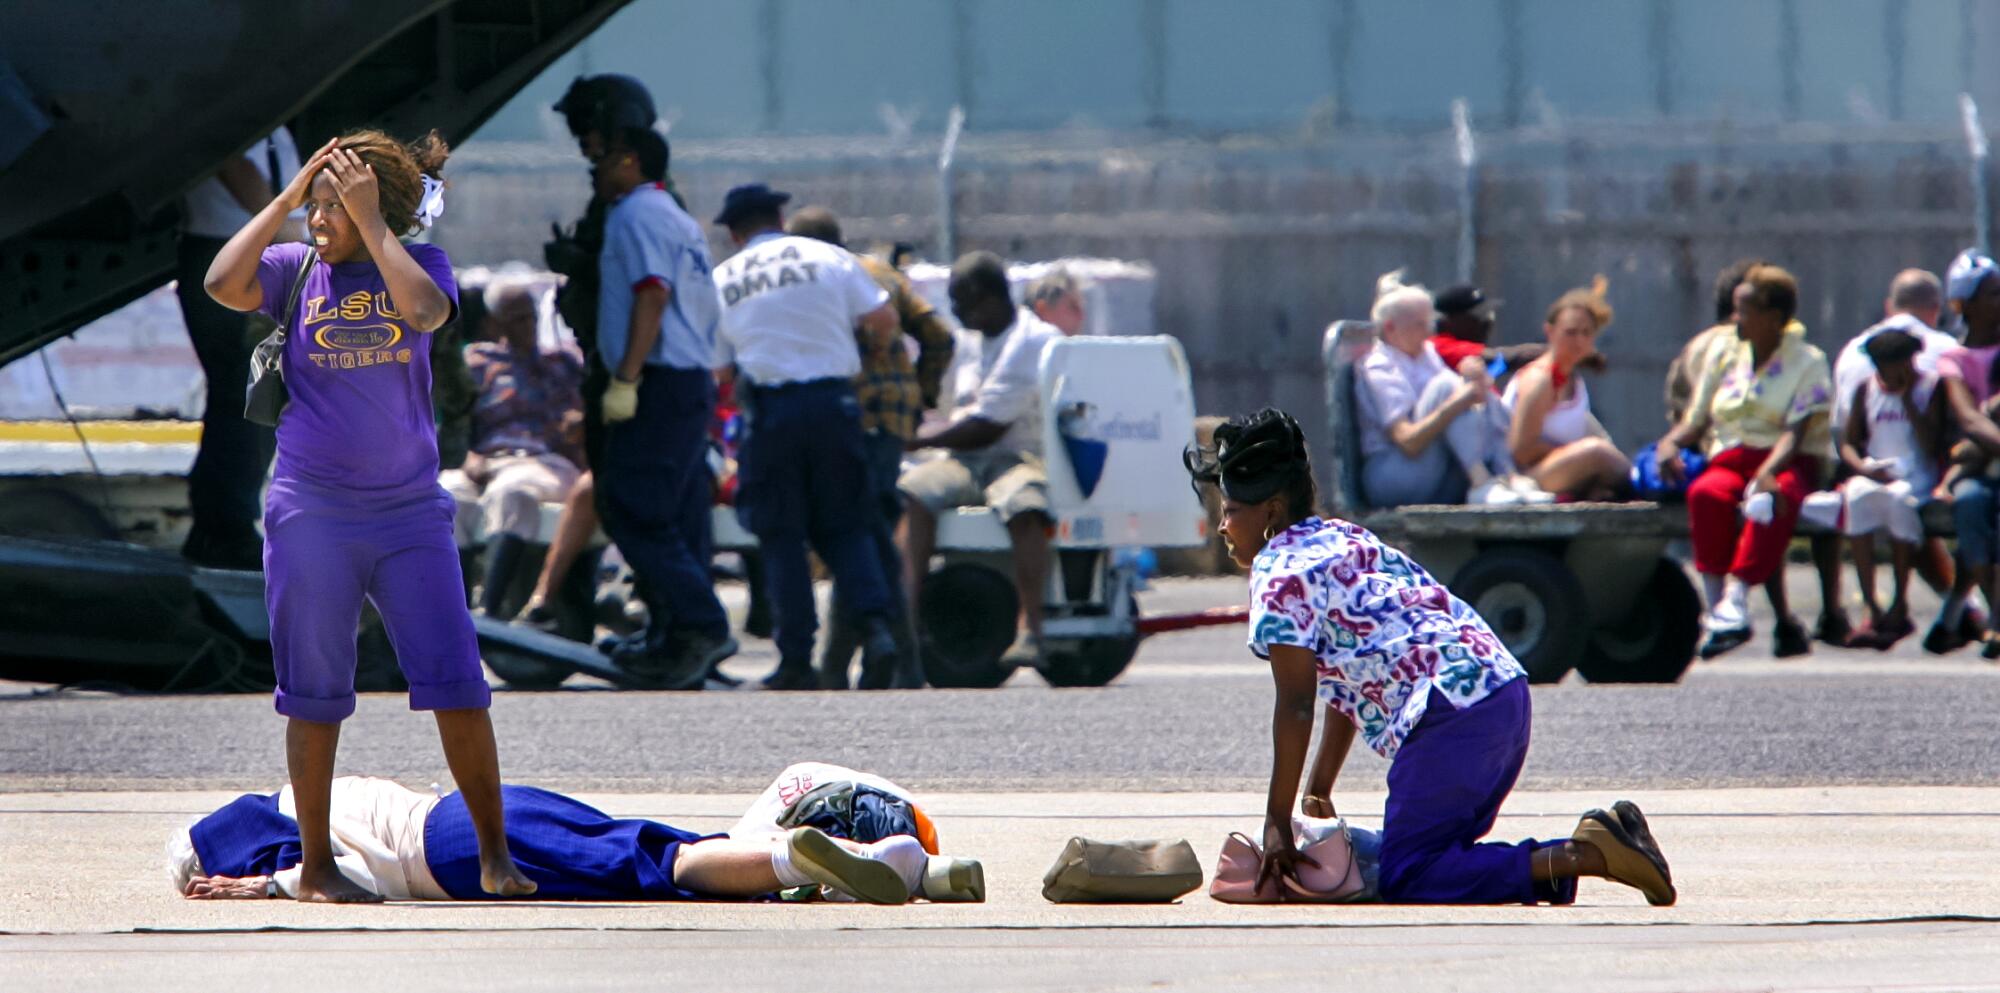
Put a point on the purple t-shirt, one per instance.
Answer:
(359, 427)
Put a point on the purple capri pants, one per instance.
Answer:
(1445, 788)
(318, 565)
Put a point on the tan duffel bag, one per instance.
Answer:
(1143, 871)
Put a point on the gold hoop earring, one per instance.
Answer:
(1270, 531)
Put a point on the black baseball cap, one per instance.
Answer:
(750, 196)
(1464, 298)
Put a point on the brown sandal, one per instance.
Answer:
(1626, 859)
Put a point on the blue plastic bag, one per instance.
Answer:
(1647, 483)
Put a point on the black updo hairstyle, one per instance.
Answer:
(1256, 457)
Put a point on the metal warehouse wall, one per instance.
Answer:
(725, 69)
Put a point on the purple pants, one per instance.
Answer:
(1445, 788)
(318, 565)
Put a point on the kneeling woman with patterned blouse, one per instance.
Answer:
(1389, 651)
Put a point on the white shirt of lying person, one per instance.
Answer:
(998, 379)
(1394, 381)
(789, 310)
(377, 829)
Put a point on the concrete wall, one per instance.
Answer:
(792, 67)
(1259, 243)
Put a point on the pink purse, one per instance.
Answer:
(1337, 879)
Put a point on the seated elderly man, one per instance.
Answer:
(1057, 299)
(993, 440)
(525, 434)
(399, 844)
(1429, 434)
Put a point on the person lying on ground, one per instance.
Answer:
(395, 843)
(1355, 629)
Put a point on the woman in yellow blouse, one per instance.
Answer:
(1762, 413)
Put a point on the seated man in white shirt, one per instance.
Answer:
(993, 439)
(398, 844)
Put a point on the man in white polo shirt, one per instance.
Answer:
(791, 307)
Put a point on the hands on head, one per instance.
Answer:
(353, 180)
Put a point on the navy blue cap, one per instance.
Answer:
(748, 197)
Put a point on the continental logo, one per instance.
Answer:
(368, 338)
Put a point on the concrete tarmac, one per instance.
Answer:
(1819, 888)
(1832, 822)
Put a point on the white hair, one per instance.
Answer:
(182, 863)
(508, 281)
(1059, 282)
(1397, 302)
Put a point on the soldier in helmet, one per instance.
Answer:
(594, 107)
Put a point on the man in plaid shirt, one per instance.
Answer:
(894, 394)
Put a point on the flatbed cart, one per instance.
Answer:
(1583, 586)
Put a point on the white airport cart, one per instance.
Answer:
(1116, 414)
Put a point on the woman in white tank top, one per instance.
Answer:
(1553, 439)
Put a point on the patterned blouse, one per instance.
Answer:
(522, 405)
(1384, 632)
(1751, 407)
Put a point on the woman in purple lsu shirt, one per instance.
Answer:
(355, 509)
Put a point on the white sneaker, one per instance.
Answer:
(954, 880)
(1493, 493)
(1529, 492)
(1725, 616)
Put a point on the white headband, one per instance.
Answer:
(431, 207)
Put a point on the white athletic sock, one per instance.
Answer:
(781, 864)
(904, 854)
(1733, 610)
(1711, 590)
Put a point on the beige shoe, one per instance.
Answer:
(950, 880)
(826, 863)
(1626, 859)
(1025, 653)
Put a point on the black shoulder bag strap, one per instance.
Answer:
(267, 396)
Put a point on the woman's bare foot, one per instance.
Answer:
(329, 886)
(502, 877)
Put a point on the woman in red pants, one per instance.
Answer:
(1763, 412)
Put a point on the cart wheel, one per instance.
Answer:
(1655, 641)
(1095, 661)
(966, 617)
(1527, 596)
